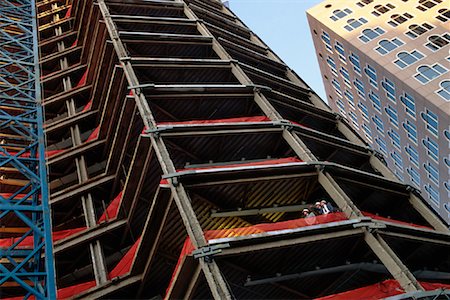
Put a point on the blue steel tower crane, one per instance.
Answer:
(26, 259)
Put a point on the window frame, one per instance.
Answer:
(410, 53)
(444, 90)
(382, 50)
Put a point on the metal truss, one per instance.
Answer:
(26, 263)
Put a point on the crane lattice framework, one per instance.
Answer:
(24, 210)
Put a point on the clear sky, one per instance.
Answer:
(283, 26)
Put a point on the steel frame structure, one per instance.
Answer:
(24, 197)
(133, 172)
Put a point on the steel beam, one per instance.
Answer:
(395, 266)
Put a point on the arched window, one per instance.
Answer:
(416, 30)
(406, 59)
(340, 50)
(392, 114)
(339, 14)
(413, 155)
(427, 4)
(363, 3)
(447, 162)
(395, 139)
(372, 75)
(354, 23)
(431, 121)
(398, 161)
(444, 92)
(326, 40)
(437, 42)
(411, 131)
(444, 15)
(432, 148)
(447, 186)
(428, 73)
(332, 64)
(409, 103)
(432, 172)
(433, 194)
(375, 101)
(381, 9)
(345, 75)
(415, 176)
(378, 123)
(387, 46)
(359, 87)
(447, 134)
(397, 19)
(370, 34)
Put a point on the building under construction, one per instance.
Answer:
(180, 153)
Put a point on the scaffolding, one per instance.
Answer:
(24, 206)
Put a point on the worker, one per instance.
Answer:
(307, 213)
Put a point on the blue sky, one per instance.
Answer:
(283, 26)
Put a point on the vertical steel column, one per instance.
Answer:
(24, 207)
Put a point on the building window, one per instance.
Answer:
(379, 124)
(375, 101)
(437, 42)
(432, 148)
(427, 4)
(397, 19)
(393, 116)
(370, 34)
(354, 60)
(341, 107)
(444, 92)
(359, 85)
(433, 194)
(367, 132)
(387, 46)
(398, 161)
(411, 131)
(327, 41)
(389, 87)
(364, 111)
(447, 162)
(363, 3)
(381, 145)
(413, 155)
(427, 73)
(406, 59)
(372, 75)
(447, 134)
(409, 103)
(339, 14)
(354, 119)
(340, 50)
(354, 23)
(414, 176)
(332, 64)
(417, 30)
(447, 187)
(337, 86)
(431, 121)
(350, 98)
(432, 173)
(444, 15)
(395, 139)
(382, 9)
(345, 75)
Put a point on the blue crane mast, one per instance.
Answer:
(26, 259)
